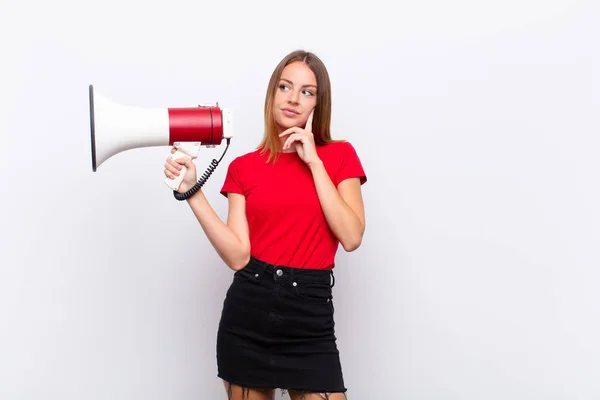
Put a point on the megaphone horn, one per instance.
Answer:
(116, 128)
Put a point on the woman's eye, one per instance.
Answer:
(308, 92)
(282, 87)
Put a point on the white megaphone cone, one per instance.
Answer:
(116, 128)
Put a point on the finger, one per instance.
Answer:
(172, 169)
(184, 161)
(309, 121)
(293, 129)
(286, 144)
(286, 132)
(173, 150)
(295, 137)
(173, 163)
(180, 160)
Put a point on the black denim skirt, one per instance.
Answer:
(277, 330)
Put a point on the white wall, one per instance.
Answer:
(477, 123)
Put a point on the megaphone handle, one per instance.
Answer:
(211, 168)
(176, 182)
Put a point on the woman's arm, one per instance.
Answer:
(343, 207)
(230, 240)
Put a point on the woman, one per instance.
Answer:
(292, 201)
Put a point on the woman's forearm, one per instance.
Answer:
(233, 249)
(343, 221)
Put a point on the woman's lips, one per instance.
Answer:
(290, 113)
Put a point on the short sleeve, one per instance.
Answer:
(351, 166)
(232, 182)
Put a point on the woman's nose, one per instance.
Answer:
(293, 97)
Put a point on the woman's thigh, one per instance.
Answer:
(316, 396)
(235, 392)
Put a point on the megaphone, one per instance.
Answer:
(116, 127)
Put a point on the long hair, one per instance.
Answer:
(322, 113)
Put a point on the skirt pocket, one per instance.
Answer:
(247, 275)
(313, 292)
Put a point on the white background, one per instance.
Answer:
(477, 123)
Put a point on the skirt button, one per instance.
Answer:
(279, 272)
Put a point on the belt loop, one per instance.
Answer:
(332, 284)
(262, 270)
(272, 270)
(263, 266)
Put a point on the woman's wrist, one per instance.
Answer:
(316, 165)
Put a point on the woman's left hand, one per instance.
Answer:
(303, 140)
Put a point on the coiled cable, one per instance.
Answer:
(211, 168)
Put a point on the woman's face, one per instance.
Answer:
(295, 97)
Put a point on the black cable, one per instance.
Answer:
(211, 168)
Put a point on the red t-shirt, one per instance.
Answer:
(286, 222)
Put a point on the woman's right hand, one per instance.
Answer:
(173, 170)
